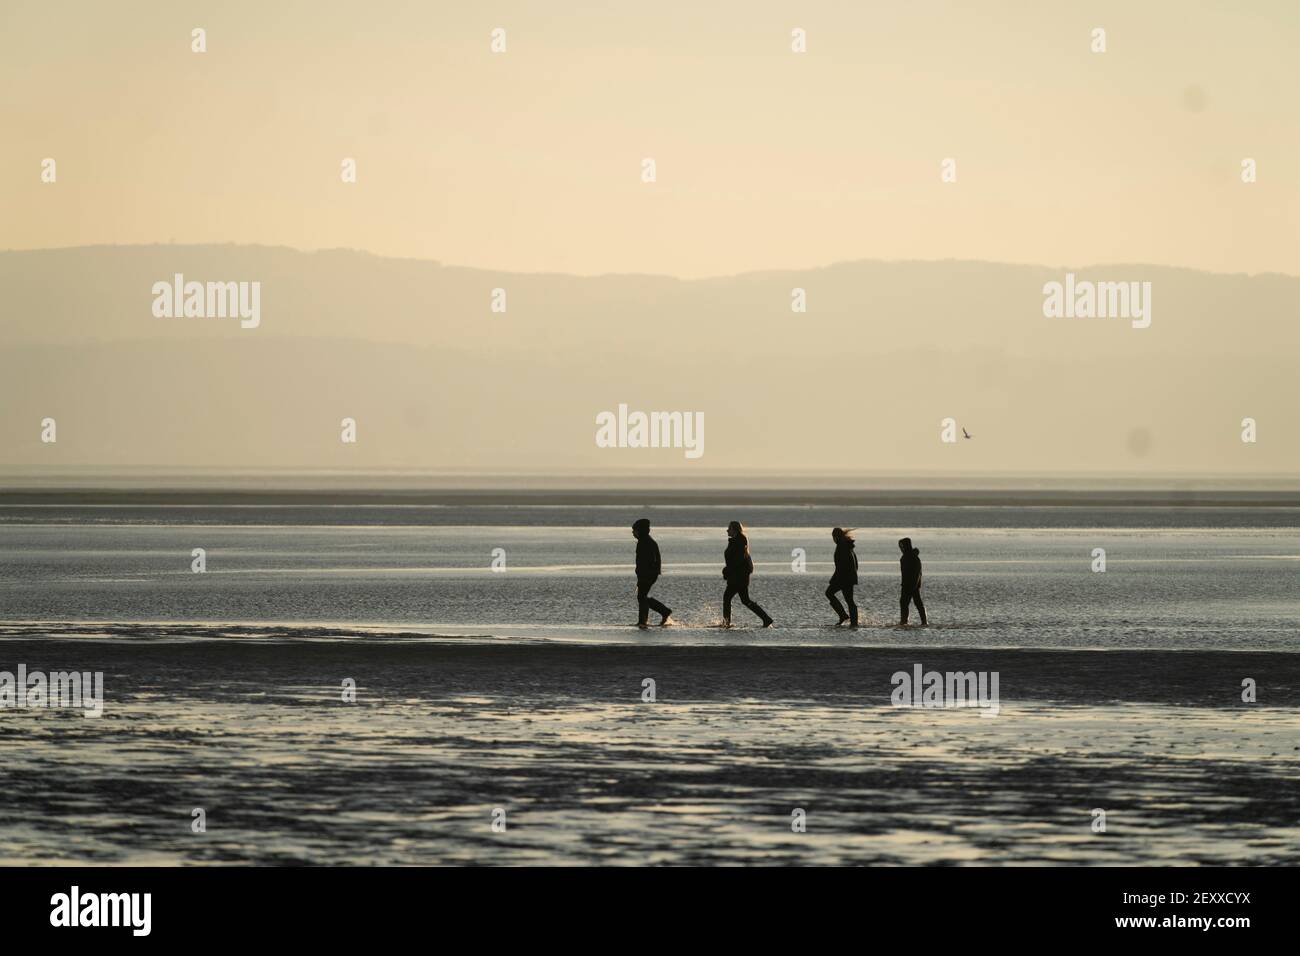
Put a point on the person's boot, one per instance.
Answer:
(767, 621)
(667, 618)
(838, 608)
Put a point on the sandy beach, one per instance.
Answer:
(252, 728)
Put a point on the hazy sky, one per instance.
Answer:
(531, 159)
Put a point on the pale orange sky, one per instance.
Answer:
(530, 160)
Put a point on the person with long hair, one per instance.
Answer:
(845, 576)
(739, 566)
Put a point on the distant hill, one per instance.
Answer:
(411, 350)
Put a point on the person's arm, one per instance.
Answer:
(912, 571)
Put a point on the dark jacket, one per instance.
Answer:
(739, 564)
(647, 558)
(846, 564)
(910, 563)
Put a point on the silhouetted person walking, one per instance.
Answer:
(910, 564)
(647, 573)
(738, 568)
(845, 576)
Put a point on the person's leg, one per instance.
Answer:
(663, 610)
(839, 608)
(642, 603)
(753, 605)
(853, 608)
(904, 600)
(727, 595)
(920, 608)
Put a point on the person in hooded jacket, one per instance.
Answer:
(910, 565)
(845, 576)
(648, 566)
(739, 566)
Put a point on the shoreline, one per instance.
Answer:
(438, 669)
(913, 637)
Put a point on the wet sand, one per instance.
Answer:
(252, 728)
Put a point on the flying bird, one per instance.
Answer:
(965, 433)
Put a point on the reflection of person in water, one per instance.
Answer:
(845, 576)
(910, 565)
(738, 568)
(647, 572)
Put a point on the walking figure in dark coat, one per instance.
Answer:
(738, 568)
(647, 572)
(910, 565)
(845, 576)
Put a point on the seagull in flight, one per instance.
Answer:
(964, 432)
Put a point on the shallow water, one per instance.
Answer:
(1008, 586)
